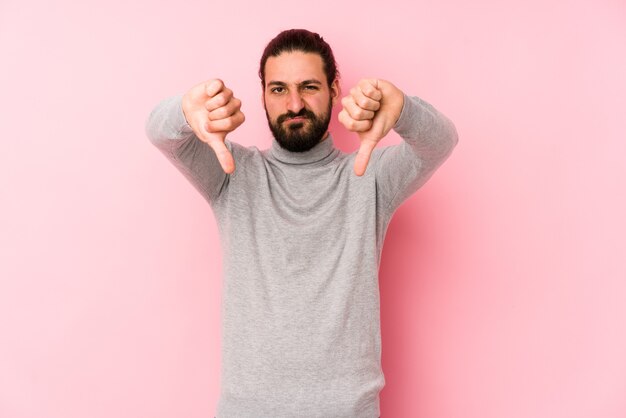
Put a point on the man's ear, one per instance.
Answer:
(335, 91)
(263, 94)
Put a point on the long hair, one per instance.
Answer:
(300, 40)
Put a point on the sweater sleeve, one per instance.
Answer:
(428, 139)
(168, 130)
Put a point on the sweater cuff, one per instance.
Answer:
(407, 125)
(180, 119)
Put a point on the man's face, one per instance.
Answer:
(297, 99)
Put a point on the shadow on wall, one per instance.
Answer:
(413, 264)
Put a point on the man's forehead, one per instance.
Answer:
(294, 67)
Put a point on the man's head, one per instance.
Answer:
(300, 85)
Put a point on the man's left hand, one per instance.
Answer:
(371, 109)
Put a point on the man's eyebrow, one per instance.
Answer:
(311, 81)
(283, 84)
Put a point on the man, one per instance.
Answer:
(302, 225)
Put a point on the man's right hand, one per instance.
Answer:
(212, 112)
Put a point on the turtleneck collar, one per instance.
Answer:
(322, 151)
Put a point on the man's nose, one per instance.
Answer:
(295, 103)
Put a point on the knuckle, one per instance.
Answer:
(219, 113)
(343, 118)
(229, 124)
(360, 113)
(362, 102)
(211, 128)
(220, 100)
(340, 117)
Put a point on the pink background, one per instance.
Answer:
(503, 279)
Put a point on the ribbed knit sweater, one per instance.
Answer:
(301, 239)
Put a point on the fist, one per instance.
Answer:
(212, 112)
(371, 109)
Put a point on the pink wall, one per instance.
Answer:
(502, 281)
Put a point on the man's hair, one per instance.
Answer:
(300, 40)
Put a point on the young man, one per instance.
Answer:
(302, 225)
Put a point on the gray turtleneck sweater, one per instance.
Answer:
(302, 237)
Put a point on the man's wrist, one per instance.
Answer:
(182, 120)
(403, 111)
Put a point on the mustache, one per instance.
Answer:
(304, 113)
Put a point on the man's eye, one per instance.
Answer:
(277, 90)
(311, 87)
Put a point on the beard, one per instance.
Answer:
(297, 137)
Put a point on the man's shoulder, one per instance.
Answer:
(248, 158)
(246, 151)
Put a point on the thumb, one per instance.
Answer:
(213, 87)
(223, 155)
(363, 156)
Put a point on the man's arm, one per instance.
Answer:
(428, 138)
(376, 106)
(191, 131)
